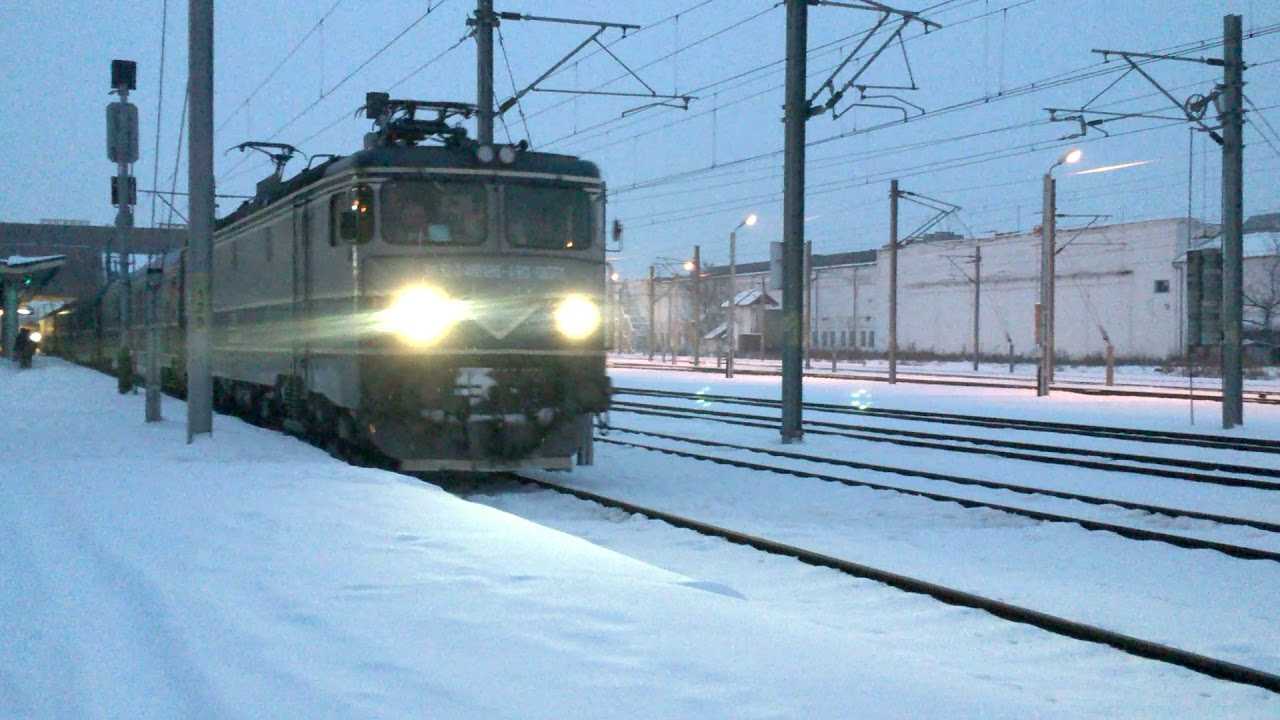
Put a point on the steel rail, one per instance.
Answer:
(1019, 445)
(1261, 397)
(1203, 664)
(1132, 533)
(816, 427)
(962, 480)
(1171, 437)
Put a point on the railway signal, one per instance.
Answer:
(122, 149)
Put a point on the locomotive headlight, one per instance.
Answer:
(422, 315)
(577, 317)
(35, 336)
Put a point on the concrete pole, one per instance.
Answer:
(1232, 223)
(1051, 309)
(893, 282)
(697, 305)
(1046, 255)
(484, 71)
(155, 277)
(652, 301)
(10, 313)
(793, 271)
(977, 303)
(733, 304)
(200, 245)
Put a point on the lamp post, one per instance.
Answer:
(748, 221)
(1048, 250)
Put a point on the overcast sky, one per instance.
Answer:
(674, 175)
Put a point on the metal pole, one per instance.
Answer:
(1232, 222)
(697, 305)
(1046, 252)
(810, 317)
(200, 245)
(154, 280)
(484, 71)
(652, 300)
(733, 304)
(793, 271)
(977, 301)
(853, 338)
(893, 282)
(760, 315)
(671, 328)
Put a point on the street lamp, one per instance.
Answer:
(748, 221)
(1048, 251)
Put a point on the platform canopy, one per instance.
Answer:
(22, 276)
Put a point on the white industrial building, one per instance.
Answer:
(1123, 283)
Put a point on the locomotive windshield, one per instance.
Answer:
(548, 218)
(430, 212)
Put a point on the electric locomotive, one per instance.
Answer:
(441, 303)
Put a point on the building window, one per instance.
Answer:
(862, 338)
(815, 340)
(842, 339)
(871, 338)
(1162, 286)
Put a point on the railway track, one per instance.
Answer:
(960, 480)
(1259, 397)
(1169, 437)
(1133, 533)
(1175, 468)
(1213, 667)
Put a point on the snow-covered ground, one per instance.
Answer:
(1126, 376)
(250, 575)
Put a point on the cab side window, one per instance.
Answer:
(351, 216)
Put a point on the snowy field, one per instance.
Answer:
(250, 575)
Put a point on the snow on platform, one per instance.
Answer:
(250, 575)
